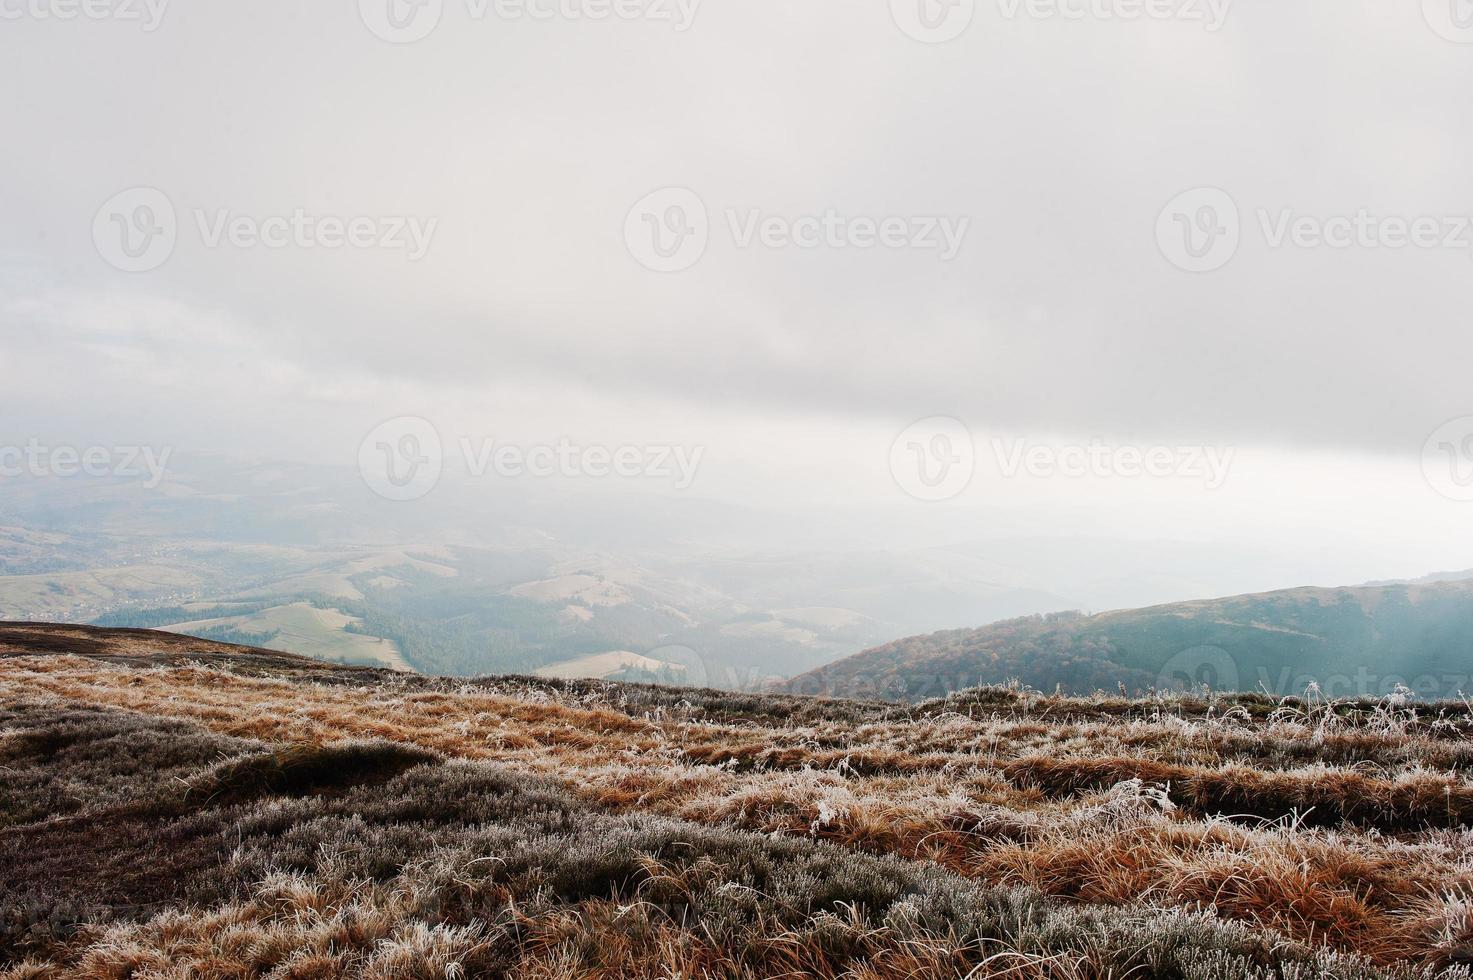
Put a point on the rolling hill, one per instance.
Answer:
(174, 807)
(1356, 641)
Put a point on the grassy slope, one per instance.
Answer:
(1350, 641)
(301, 628)
(177, 808)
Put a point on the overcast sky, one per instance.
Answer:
(1089, 289)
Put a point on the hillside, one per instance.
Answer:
(231, 549)
(1362, 641)
(179, 808)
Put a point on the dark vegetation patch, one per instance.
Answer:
(19, 641)
(304, 770)
(107, 865)
(754, 707)
(88, 827)
(1268, 778)
(62, 759)
(757, 756)
(1318, 799)
(1451, 719)
(105, 814)
(143, 648)
(635, 699)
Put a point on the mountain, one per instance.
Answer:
(509, 577)
(176, 807)
(1363, 641)
(481, 579)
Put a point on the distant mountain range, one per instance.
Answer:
(1363, 641)
(594, 581)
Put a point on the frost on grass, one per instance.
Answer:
(199, 818)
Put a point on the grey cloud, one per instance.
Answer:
(1059, 140)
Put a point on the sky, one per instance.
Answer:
(932, 270)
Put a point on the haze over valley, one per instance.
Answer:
(563, 581)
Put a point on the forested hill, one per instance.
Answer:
(1357, 641)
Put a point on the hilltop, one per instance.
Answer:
(1356, 641)
(179, 808)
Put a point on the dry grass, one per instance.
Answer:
(1342, 829)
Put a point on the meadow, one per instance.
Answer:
(177, 808)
